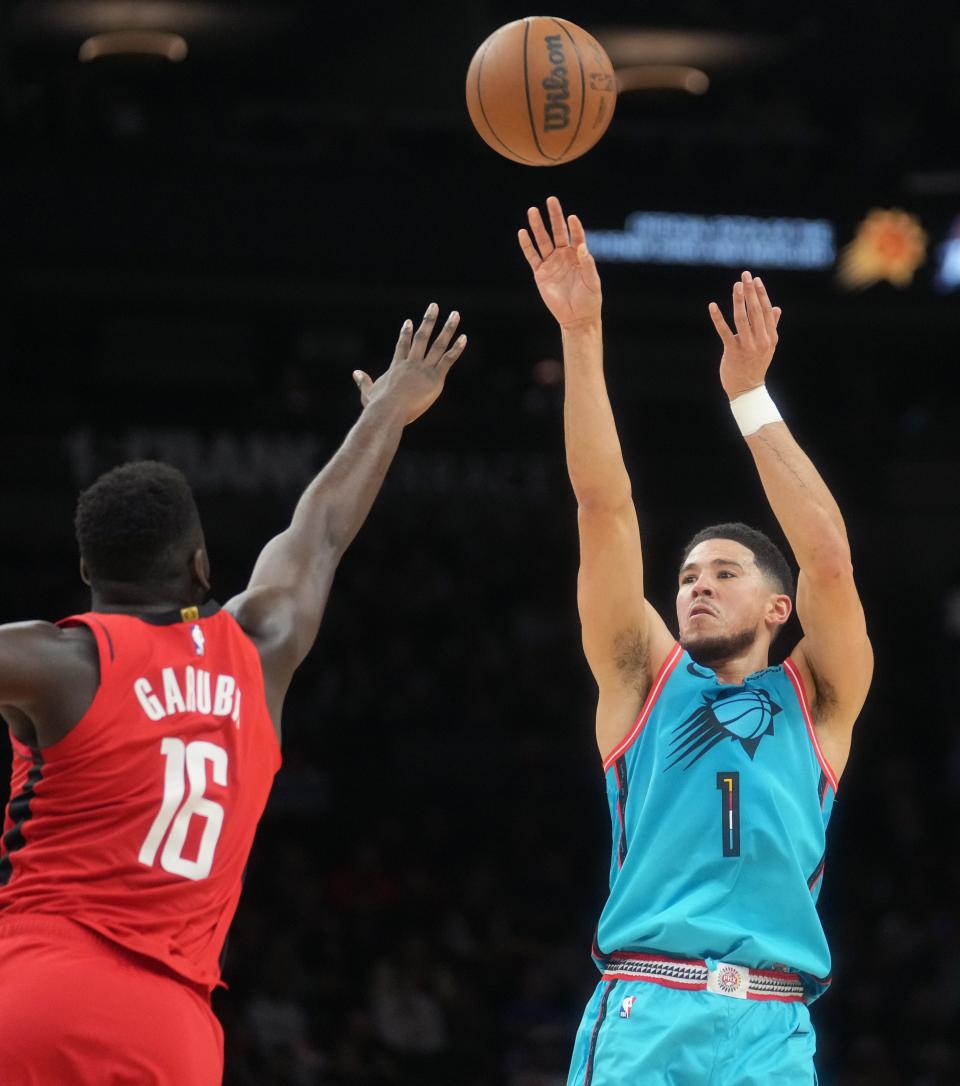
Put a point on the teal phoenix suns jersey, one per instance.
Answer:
(719, 800)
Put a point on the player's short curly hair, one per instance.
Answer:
(766, 553)
(137, 522)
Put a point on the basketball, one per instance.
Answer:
(541, 91)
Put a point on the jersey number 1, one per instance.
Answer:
(175, 814)
(729, 785)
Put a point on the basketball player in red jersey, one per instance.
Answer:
(146, 737)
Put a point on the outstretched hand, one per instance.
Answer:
(563, 269)
(748, 353)
(416, 375)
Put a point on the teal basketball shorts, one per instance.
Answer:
(637, 1032)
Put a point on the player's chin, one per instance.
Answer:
(701, 630)
(692, 639)
(704, 649)
(709, 647)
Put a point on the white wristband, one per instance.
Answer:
(754, 409)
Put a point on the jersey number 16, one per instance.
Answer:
(175, 814)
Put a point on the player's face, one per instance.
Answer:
(722, 599)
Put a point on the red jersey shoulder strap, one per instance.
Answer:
(254, 665)
(89, 725)
(242, 638)
(106, 650)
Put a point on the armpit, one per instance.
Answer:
(825, 698)
(19, 723)
(631, 655)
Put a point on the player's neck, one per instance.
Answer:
(131, 597)
(733, 671)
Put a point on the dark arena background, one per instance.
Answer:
(196, 254)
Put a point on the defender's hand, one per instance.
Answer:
(563, 269)
(416, 375)
(746, 355)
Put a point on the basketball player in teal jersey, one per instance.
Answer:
(721, 770)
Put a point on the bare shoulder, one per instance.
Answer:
(268, 616)
(264, 613)
(46, 642)
(640, 659)
(836, 687)
(834, 699)
(48, 678)
(640, 651)
(32, 630)
(661, 643)
(834, 656)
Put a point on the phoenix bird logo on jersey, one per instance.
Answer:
(743, 714)
(198, 639)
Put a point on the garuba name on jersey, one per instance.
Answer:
(719, 801)
(189, 690)
(138, 823)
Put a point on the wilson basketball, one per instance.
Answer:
(541, 91)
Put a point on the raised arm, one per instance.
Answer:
(624, 639)
(834, 657)
(284, 601)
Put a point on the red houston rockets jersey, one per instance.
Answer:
(139, 822)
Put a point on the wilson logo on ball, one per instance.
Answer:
(556, 110)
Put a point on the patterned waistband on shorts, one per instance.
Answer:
(695, 975)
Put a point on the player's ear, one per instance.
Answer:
(201, 568)
(780, 609)
(84, 573)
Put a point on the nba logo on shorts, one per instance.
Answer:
(197, 634)
(627, 1006)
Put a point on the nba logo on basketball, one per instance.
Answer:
(197, 634)
(627, 1006)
